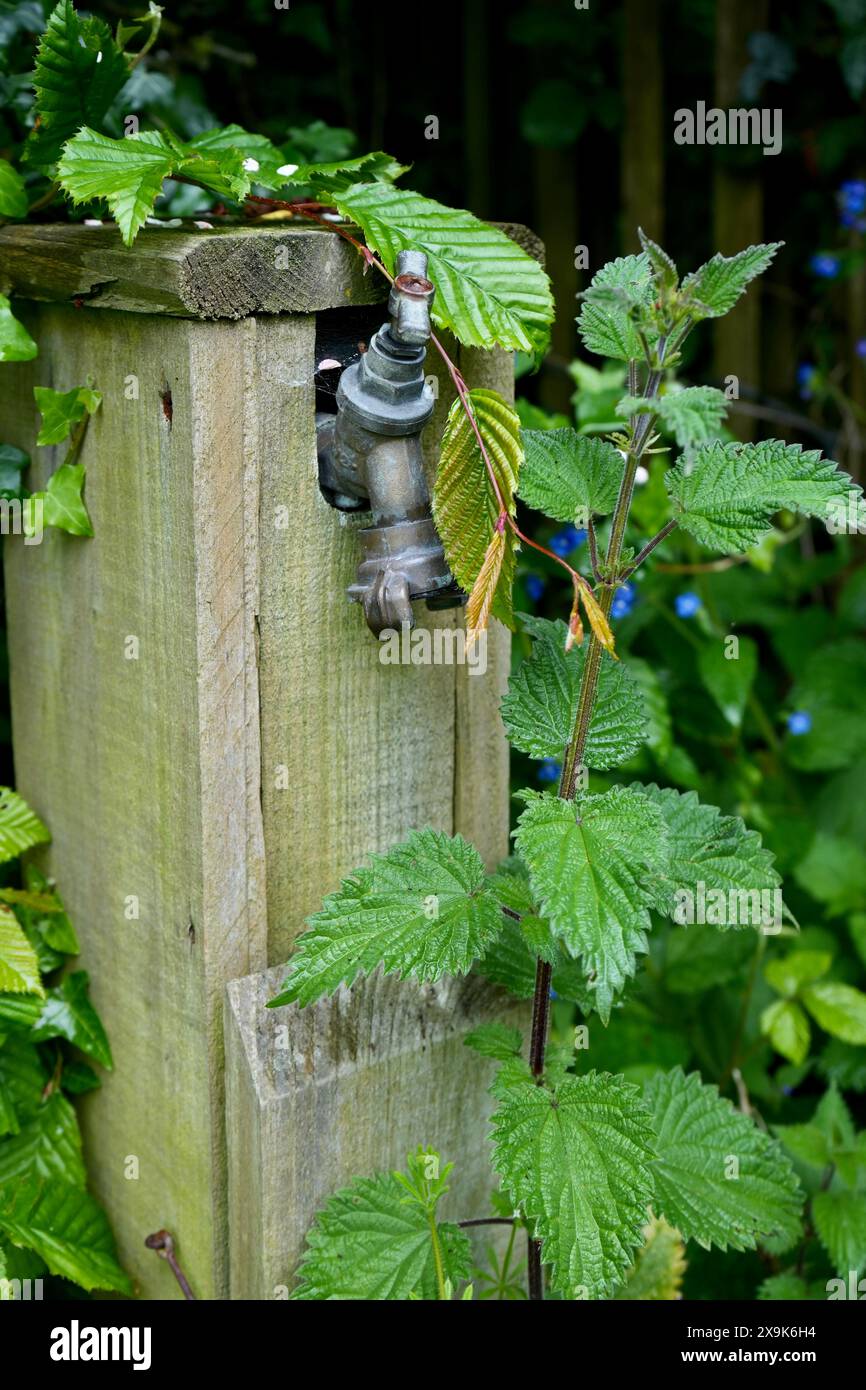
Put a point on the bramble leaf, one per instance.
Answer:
(719, 1179)
(727, 495)
(577, 1161)
(465, 506)
(79, 71)
(569, 476)
(423, 910)
(489, 292)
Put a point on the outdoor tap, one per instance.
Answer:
(370, 459)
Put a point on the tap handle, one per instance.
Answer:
(410, 299)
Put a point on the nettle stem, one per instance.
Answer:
(640, 427)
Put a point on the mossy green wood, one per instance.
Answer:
(253, 752)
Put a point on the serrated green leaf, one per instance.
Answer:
(47, 1146)
(465, 506)
(657, 1273)
(369, 1242)
(620, 290)
(423, 909)
(569, 476)
(20, 828)
(79, 71)
(19, 967)
(787, 1027)
(68, 1013)
(663, 267)
(594, 867)
(67, 1227)
(13, 195)
(495, 1040)
(127, 174)
(693, 414)
(19, 1012)
(786, 1286)
(16, 344)
(727, 494)
(702, 1143)
(729, 678)
(256, 150)
(62, 410)
(839, 1009)
(576, 1160)
(337, 176)
(706, 847)
(840, 1221)
(540, 706)
(22, 1078)
(715, 288)
(489, 292)
(700, 957)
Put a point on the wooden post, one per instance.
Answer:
(201, 717)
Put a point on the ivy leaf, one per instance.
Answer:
(540, 706)
(12, 464)
(787, 1027)
(16, 345)
(569, 476)
(495, 1040)
(369, 1242)
(727, 495)
(594, 867)
(20, 828)
(19, 967)
(657, 1273)
(48, 1146)
(840, 1220)
(489, 292)
(13, 195)
(719, 1179)
(839, 1009)
(79, 71)
(62, 410)
(422, 909)
(729, 679)
(577, 1160)
(61, 504)
(621, 290)
(715, 288)
(718, 851)
(68, 1013)
(465, 507)
(66, 1227)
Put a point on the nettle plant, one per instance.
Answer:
(607, 1179)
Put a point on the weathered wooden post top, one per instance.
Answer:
(203, 720)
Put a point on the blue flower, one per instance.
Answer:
(852, 196)
(807, 373)
(535, 586)
(549, 770)
(687, 605)
(860, 347)
(566, 540)
(623, 601)
(799, 722)
(824, 265)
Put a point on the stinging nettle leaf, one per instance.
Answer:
(719, 1179)
(423, 909)
(465, 506)
(715, 288)
(489, 292)
(840, 1221)
(569, 476)
(595, 867)
(577, 1161)
(727, 495)
(370, 1242)
(540, 706)
(693, 414)
(495, 1040)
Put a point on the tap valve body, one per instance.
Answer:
(370, 458)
